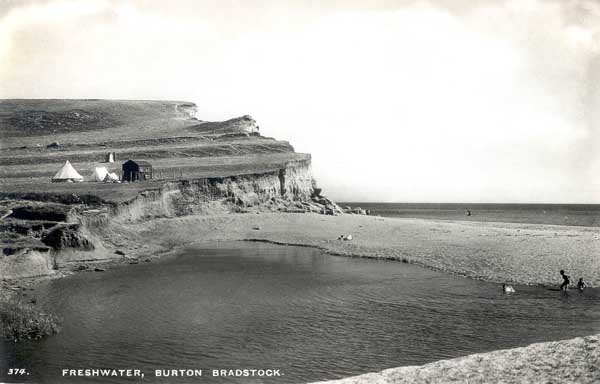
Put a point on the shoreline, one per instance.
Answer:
(525, 254)
(452, 247)
(451, 242)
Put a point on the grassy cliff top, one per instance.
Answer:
(38, 136)
(59, 118)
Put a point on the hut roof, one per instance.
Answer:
(139, 162)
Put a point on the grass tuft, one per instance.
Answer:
(20, 320)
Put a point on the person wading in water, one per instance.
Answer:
(565, 285)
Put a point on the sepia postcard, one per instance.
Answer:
(298, 191)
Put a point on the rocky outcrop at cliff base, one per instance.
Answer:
(67, 236)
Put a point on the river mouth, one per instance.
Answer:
(310, 315)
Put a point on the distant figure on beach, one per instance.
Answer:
(507, 288)
(468, 213)
(581, 284)
(565, 285)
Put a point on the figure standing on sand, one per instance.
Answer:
(581, 284)
(565, 285)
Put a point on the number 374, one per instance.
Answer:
(17, 371)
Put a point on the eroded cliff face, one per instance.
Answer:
(290, 188)
(200, 168)
(54, 235)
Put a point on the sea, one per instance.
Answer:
(306, 315)
(587, 215)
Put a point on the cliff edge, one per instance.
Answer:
(199, 167)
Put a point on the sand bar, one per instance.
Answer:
(497, 252)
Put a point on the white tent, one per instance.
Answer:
(67, 173)
(100, 173)
(111, 177)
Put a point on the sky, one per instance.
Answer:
(397, 101)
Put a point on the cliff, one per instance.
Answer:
(199, 168)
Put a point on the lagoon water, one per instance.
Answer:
(310, 315)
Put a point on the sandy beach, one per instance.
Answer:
(497, 252)
(571, 361)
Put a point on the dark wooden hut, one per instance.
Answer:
(135, 170)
